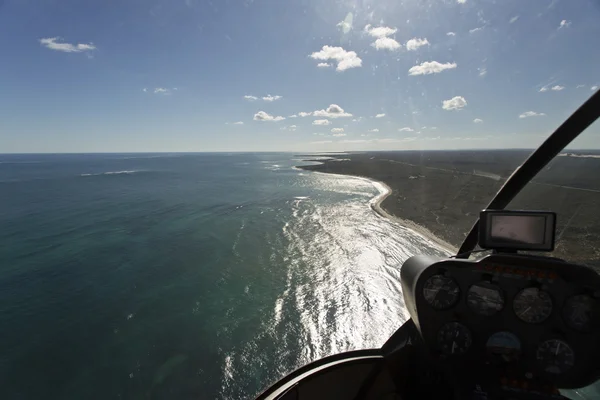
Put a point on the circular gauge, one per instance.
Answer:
(440, 292)
(454, 338)
(581, 311)
(485, 298)
(504, 346)
(555, 356)
(532, 305)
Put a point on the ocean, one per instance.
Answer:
(186, 276)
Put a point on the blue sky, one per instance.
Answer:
(93, 76)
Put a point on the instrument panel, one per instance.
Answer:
(519, 318)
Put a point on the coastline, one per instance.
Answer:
(375, 204)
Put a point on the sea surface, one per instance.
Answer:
(187, 276)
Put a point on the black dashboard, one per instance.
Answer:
(521, 321)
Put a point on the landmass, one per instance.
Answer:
(440, 193)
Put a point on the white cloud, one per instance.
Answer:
(430, 67)
(333, 111)
(337, 130)
(145, 90)
(380, 115)
(346, 24)
(293, 116)
(386, 43)
(477, 120)
(513, 19)
(531, 114)
(323, 65)
(238, 123)
(250, 98)
(557, 88)
(357, 119)
(543, 89)
(271, 98)
(415, 43)
(406, 129)
(345, 59)
(450, 34)
(580, 86)
(595, 87)
(291, 128)
(482, 71)
(383, 40)
(160, 90)
(455, 103)
(564, 24)
(339, 134)
(321, 122)
(474, 30)
(263, 116)
(461, 1)
(374, 130)
(380, 32)
(51, 43)
(304, 114)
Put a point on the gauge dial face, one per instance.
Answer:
(485, 298)
(454, 339)
(532, 305)
(441, 292)
(555, 356)
(504, 346)
(580, 312)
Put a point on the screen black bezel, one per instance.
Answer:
(485, 225)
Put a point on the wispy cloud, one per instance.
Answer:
(513, 19)
(53, 44)
(250, 98)
(528, 114)
(271, 98)
(415, 43)
(580, 86)
(430, 67)
(482, 71)
(450, 34)
(461, 1)
(478, 120)
(455, 103)
(333, 111)
(337, 130)
(323, 65)
(321, 122)
(380, 115)
(474, 30)
(238, 123)
(304, 114)
(556, 88)
(263, 116)
(595, 87)
(374, 130)
(345, 59)
(406, 129)
(564, 24)
(338, 134)
(383, 41)
(291, 128)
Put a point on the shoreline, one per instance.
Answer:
(375, 204)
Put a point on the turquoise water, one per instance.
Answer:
(183, 276)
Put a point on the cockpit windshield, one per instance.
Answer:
(198, 197)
